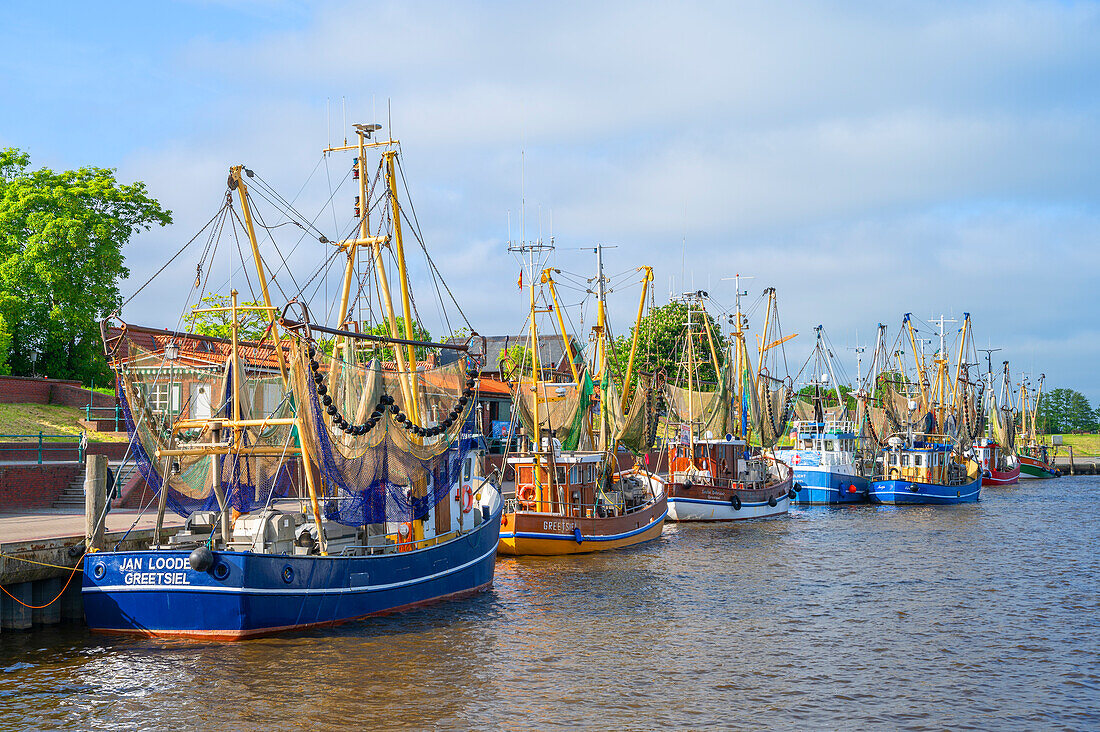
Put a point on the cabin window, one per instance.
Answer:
(467, 468)
(918, 461)
(829, 446)
(893, 458)
(905, 461)
(573, 475)
(559, 476)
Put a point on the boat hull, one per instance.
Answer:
(1002, 477)
(710, 503)
(1034, 468)
(243, 594)
(906, 492)
(828, 488)
(533, 533)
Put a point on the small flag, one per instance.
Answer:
(519, 282)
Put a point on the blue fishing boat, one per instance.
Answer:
(326, 473)
(825, 464)
(926, 470)
(824, 454)
(925, 427)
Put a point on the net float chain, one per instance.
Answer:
(385, 402)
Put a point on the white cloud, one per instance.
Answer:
(868, 160)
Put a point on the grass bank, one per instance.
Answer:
(52, 419)
(1085, 445)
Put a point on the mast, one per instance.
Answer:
(376, 243)
(959, 362)
(236, 181)
(918, 359)
(601, 345)
(740, 357)
(647, 277)
(548, 279)
(406, 300)
(767, 321)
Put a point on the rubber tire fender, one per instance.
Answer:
(735, 501)
(772, 502)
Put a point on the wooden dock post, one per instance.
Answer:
(95, 501)
(1071, 469)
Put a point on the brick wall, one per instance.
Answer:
(33, 486)
(34, 390)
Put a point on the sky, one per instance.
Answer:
(866, 159)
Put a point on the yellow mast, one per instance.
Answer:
(710, 342)
(647, 277)
(406, 300)
(767, 322)
(242, 192)
(601, 347)
(958, 363)
(918, 359)
(536, 375)
(548, 279)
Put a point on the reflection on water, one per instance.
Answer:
(982, 615)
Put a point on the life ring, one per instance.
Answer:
(526, 494)
(735, 501)
(772, 502)
(404, 534)
(894, 473)
(467, 498)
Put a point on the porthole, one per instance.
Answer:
(99, 570)
(288, 574)
(221, 571)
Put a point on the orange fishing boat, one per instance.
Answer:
(571, 497)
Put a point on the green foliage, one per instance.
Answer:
(1066, 410)
(5, 346)
(660, 343)
(252, 323)
(419, 333)
(515, 361)
(61, 239)
(828, 396)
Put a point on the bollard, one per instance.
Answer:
(95, 501)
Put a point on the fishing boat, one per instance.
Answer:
(824, 455)
(571, 497)
(329, 473)
(1032, 451)
(996, 449)
(714, 472)
(928, 459)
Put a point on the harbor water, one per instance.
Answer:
(982, 616)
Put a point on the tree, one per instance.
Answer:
(661, 343)
(1066, 410)
(5, 346)
(252, 324)
(420, 333)
(61, 239)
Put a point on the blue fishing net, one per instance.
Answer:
(249, 482)
(386, 475)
